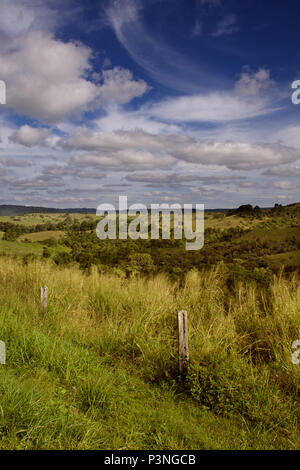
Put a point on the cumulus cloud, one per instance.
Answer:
(126, 160)
(285, 185)
(37, 83)
(39, 86)
(19, 17)
(178, 178)
(30, 136)
(84, 139)
(250, 83)
(120, 150)
(14, 163)
(120, 87)
(290, 135)
(242, 156)
(284, 171)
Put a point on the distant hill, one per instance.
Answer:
(10, 209)
(19, 210)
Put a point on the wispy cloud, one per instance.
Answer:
(164, 63)
(227, 26)
(198, 27)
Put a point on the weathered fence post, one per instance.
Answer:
(44, 297)
(183, 346)
(2, 352)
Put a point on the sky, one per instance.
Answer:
(164, 101)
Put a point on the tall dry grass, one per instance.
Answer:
(105, 339)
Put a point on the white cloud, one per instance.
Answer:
(227, 26)
(19, 17)
(164, 63)
(214, 107)
(30, 136)
(242, 156)
(117, 120)
(251, 83)
(120, 87)
(290, 135)
(284, 171)
(126, 160)
(84, 139)
(285, 185)
(139, 150)
(45, 76)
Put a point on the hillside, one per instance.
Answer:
(10, 210)
(98, 368)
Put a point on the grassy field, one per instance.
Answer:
(41, 236)
(98, 369)
(26, 248)
(37, 218)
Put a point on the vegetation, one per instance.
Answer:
(98, 368)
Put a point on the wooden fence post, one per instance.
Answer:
(183, 346)
(2, 352)
(44, 297)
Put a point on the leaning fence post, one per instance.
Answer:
(183, 346)
(44, 297)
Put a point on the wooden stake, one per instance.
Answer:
(2, 352)
(183, 346)
(44, 297)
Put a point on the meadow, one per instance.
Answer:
(98, 369)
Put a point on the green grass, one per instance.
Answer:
(23, 248)
(16, 248)
(98, 369)
(290, 258)
(40, 218)
(274, 234)
(41, 236)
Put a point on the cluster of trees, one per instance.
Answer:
(240, 252)
(152, 256)
(246, 210)
(12, 231)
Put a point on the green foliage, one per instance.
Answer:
(105, 352)
(46, 252)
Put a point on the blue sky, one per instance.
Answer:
(183, 101)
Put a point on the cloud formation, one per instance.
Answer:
(30, 136)
(250, 84)
(139, 150)
(120, 87)
(163, 62)
(37, 84)
(226, 26)
(212, 107)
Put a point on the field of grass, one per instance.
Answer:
(26, 248)
(39, 218)
(291, 258)
(41, 236)
(98, 369)
(20, 249)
